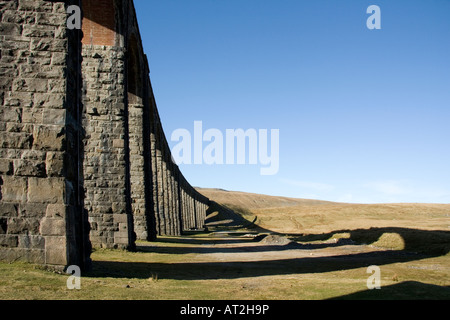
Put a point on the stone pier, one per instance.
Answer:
(84, 160)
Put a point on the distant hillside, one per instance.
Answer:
(289, 215)
(256, 201)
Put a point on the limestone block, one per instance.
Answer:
(33, 155)
(55, 164)
(6, 166)
(11, 114)
(53, 227)
(51, 138)
(39, 31)
(55, 250)
(31, 242)
(30, 85)
(32, 210)
(14, 189)
(55, 117)
(32, 116)
(8, 210)
(13, 140)
(118, 143)
(9, 241)
(49, 100)
(32, 168)
(10, 29)
(53, 19)
(31, 5)
(56, 211)
(14, 16)
(120, 218)
(46, 190)
(59, 58)
(23, 226)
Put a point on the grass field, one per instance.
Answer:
(316, 250)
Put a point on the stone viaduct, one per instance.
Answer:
(84, 161)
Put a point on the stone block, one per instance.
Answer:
(53, 101)
(32, 5)
(52, 19)
(29, 168)
(6, 166)
(56, 86)
(120, 218)
(10, 29)
(51, 138)
(55, 164)
(22, 225)
(56, 250)
(21, 254)
(31, 242)
(32, 210)
(8, 210)
(38, 31)
(59, 58)
(54, 117)
(15, 140)
(46, 190)
(30, 85)
(32, 116)
(53, 227)
(56, 211)
(33, 155)
(14, 189)
(11, 114)
(8, 241)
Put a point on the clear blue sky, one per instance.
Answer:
(364, 115)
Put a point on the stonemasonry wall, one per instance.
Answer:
(41, 214)
(83, 155)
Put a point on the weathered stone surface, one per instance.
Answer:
(53, 227)
(30, 85)
(56, 211)
(8, 241)
(49, 100)
(6, 166)
(14, 189)
(56, 250)
(31, 242)
(51, 138)
(8, 210)
(55, 164)
(34, 210)
(55, 117)
(46, 190)
(13, 140)
(20, 225)
(31, 168)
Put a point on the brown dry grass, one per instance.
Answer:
(331, 245)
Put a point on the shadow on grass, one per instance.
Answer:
(402, 291)
(241, 269)
(415, 245)
(408, 239)
(229, 218)
(434, 242)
